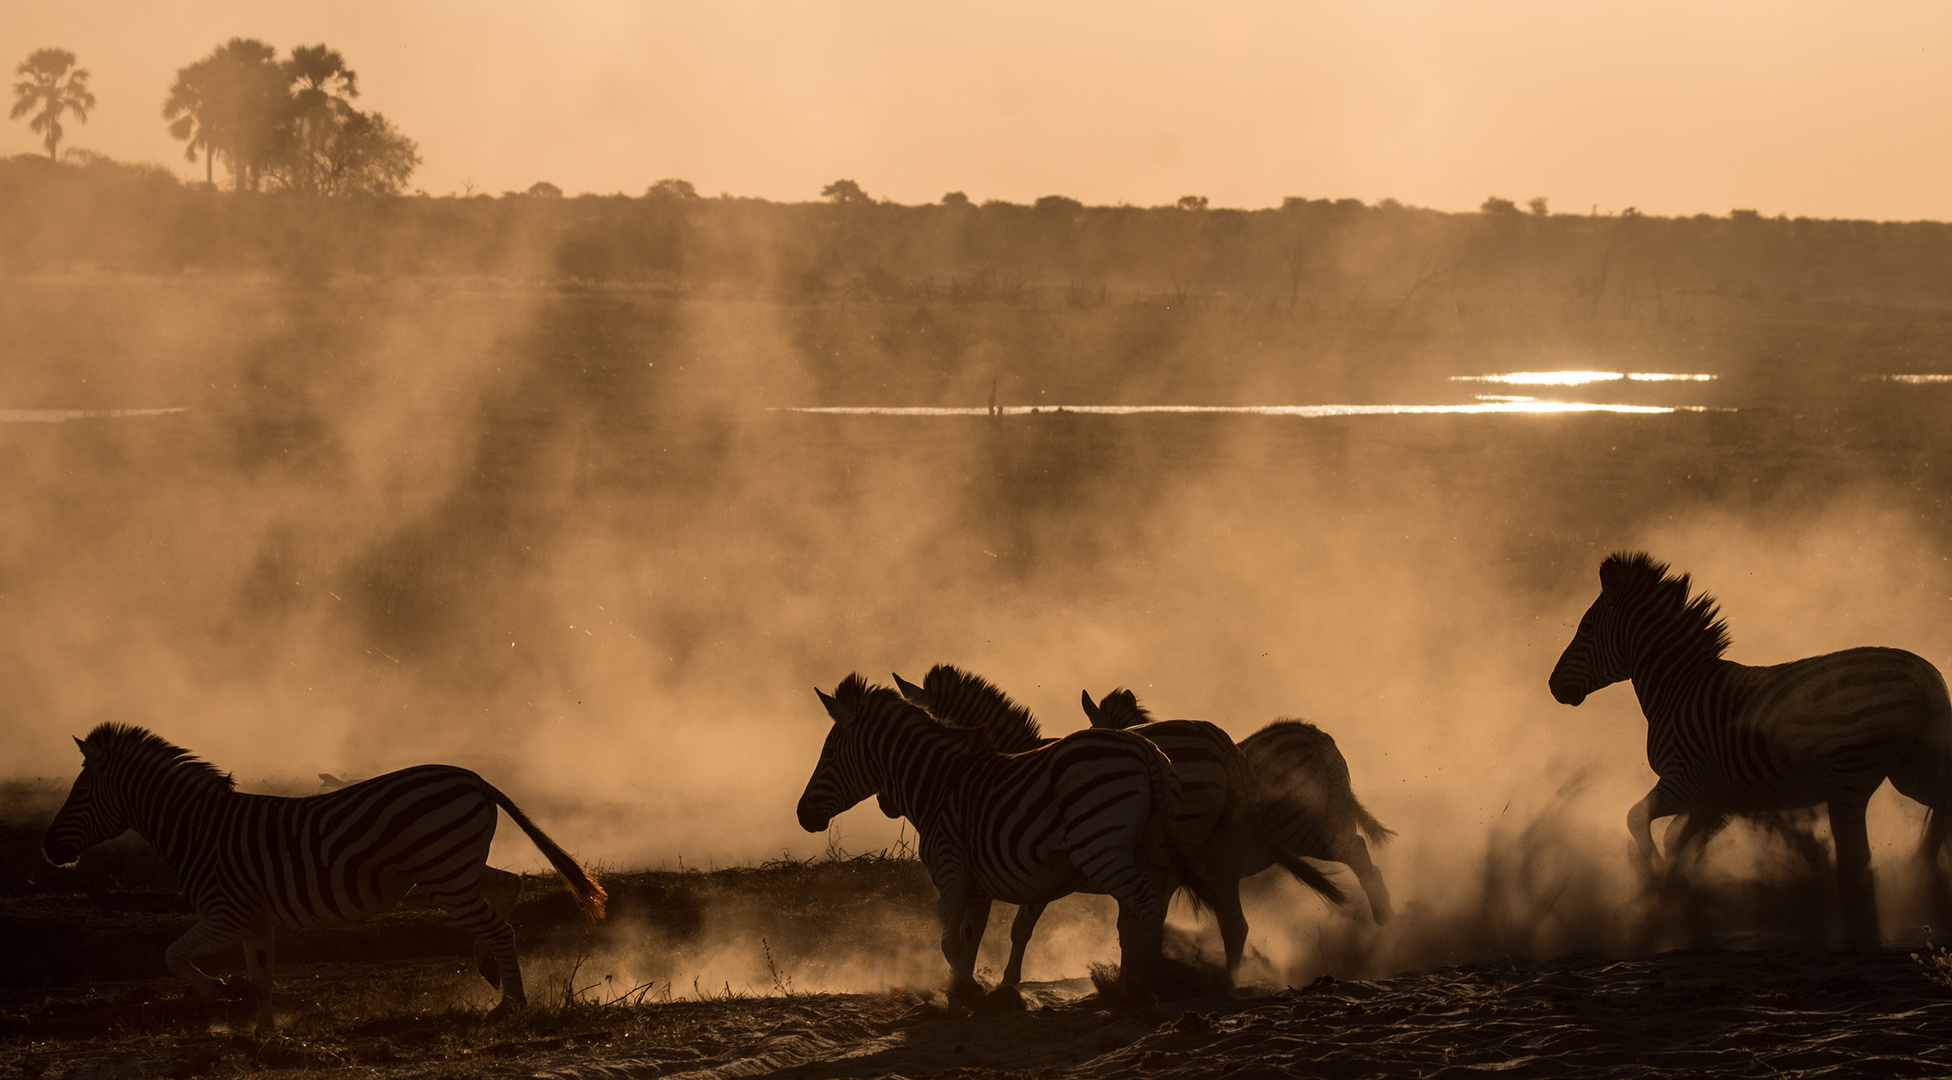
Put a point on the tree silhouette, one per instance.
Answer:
(671, 189)
(1191, 202)
(232, 104)
(955, 198)
(321, 89)
(845, 193)
(46, 90)
(1498, 207)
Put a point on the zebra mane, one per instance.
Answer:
(874, 703)
(140, 746)
(1121, 709)
(1008, 724)
(1638, 574)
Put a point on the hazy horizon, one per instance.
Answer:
(1803, 109)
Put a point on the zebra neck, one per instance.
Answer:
(1675, 689)
(170, 814)
(920, 775)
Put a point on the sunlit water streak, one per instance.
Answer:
(1580, 378)
(56, 416)
(1523, 405)
(1915, 380)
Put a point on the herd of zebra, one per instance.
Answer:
(1128, 807)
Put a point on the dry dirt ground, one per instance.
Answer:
(83, 994)
(1777, 1010)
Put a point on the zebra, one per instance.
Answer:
(250, 864)
(1302, 802)
(1212, 821)
(1087, 813)
(1726, 738)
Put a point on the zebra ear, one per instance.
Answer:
(1609, 574)
(835, 709)
(87, 752)
(914, 693)
(1091, 710)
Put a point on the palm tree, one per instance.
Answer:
(321, 91)
(190, 120)
(44, 89)
(231, 103)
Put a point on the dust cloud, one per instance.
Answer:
(566, 537)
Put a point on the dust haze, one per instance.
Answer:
(569, 534)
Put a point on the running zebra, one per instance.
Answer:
(1726, 738)
(1213, 821)
(252, 863)
(1301, 801)
(1303, 798)
(1088, 813)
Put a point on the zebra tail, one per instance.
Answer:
(589, 894)
(1305, 872)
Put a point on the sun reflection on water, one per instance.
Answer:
(1580, 378)
(1500, 405)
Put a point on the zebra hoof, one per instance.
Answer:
(1003, 999)
(504, 1007)
(234, 988)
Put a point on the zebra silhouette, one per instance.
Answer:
(1300, 800)
(1087, 813)
(1727, 738)
(250, 864)
(1213, 821)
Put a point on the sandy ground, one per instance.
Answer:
(1783, 1009)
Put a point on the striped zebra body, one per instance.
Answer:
(1305, 803)
(251, 864)
(1087, 813)
(1726, 738)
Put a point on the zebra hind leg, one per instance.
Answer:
(1854, 886)
(501, 889)
(493, 936)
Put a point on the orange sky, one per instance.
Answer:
(1828, 110)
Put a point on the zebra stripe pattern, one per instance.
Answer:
(252, 863)
(1086, 813)
(1727, 738)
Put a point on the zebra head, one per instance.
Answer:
(840, 779)
(1642, 609)
(94, 811)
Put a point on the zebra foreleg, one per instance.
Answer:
(1021, 928)
(258, 949)
(204, 938)
(1855, 890)
(1658, 804)
(954, 909)
(1354, 854)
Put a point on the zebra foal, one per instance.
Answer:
(1726, 738)
(250, 864)
(1088, 813)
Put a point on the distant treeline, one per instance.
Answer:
(91, 212)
